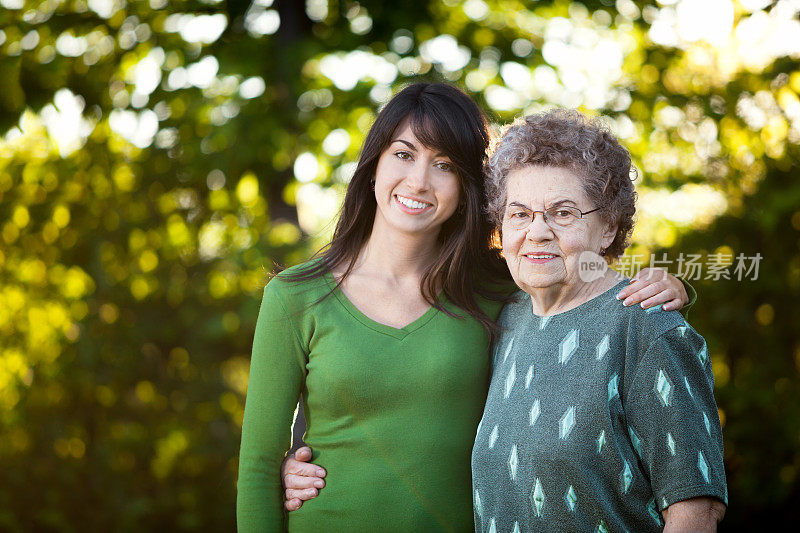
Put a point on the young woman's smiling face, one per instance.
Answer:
(416, 187)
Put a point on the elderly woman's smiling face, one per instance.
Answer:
(546, 255)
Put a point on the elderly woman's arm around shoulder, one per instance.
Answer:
(694, 514)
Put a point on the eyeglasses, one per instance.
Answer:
(557, 217)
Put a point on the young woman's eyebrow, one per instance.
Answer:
(412, 147)
(407, 143)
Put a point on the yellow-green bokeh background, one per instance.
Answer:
(157, 158)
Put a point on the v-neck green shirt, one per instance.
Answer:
(391, 413)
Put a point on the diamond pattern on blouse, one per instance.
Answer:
(602, 348)
(654, 309)
(703, 355)
(653, 511)
(508, 349)
(702, 465)
(571, 498)
(688, 387)
(510, 378)
(660, 382)
(625, 478)
(663, 388)
(613, 387)
(528, 377)
(537, 498)
(636, 441)
(535, 410)
(566, 423)
(568, 347)
(513, 462)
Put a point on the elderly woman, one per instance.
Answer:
(599, 417)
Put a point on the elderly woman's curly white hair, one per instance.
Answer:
(566, 138)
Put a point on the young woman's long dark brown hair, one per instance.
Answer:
(442, 118)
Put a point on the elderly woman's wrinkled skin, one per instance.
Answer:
(543, 258)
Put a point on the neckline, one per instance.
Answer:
(355, 312)
(588, 305)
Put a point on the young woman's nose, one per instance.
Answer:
(418, 177)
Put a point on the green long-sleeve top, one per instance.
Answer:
(391, 413)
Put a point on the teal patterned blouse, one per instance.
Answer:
(597, 419)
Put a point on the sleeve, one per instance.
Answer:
(673, 421)
(277, 371)
(691, 293)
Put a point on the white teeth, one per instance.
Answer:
(540, 256)
(413, 204)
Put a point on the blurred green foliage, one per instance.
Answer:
(159, 157)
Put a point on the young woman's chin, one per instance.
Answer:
(425, 224)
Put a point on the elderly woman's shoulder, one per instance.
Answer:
(649, 324)
(518, 306)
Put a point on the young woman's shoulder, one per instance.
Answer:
(295, 290)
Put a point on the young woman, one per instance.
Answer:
(386, 336)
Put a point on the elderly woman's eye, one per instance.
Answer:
(564, 213)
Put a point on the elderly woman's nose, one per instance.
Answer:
(538, 229)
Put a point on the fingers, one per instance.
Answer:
(655, 293)
(673, 305)
(299, 468)
(678, 286)
(293, 504)
(639, 291)
(671, 292)
(303, 495)
(301, 479)
(669, 295)
(292, 481)
(303, 454)
(634, 286)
